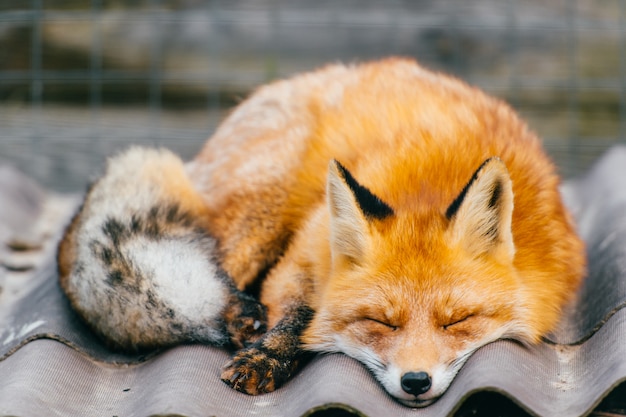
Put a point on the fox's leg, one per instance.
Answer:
(270, 361)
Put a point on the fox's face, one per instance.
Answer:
(413, 295)
(415, 326)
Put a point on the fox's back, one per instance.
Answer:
(402, 130)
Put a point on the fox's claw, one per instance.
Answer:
(254, 372)
(245, 330)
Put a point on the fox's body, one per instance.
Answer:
(393, 214)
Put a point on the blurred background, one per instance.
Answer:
(82, 79)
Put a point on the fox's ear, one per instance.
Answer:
(352, 207)
(480, 217)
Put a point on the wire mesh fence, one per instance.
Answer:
(81, 79)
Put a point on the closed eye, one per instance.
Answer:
(457, 321)
(384, 323)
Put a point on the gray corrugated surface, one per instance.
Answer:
(77, 377)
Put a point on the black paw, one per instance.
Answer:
(246, 320)
(254, 372)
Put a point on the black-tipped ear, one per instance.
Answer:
(351, 208)
(480, 217)
(454, 207)
(370, 204)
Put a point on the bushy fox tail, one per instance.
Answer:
(139, 266)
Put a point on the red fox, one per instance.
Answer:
(381, 210)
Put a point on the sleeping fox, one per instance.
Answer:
(381, 210)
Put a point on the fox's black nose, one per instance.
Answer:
(415, 383)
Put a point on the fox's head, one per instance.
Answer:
(413, 294)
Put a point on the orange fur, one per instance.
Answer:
(416, 288)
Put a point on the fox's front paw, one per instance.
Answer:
(271, 360)
(246, 320)
(254, 372)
